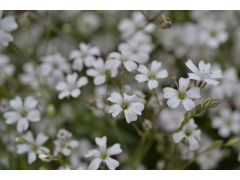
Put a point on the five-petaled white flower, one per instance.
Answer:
(203, 73)
(102, 154)
(182, 95)
(71, 87)
(130, 105)
(189, 134)
(152, 74)
(32, 146)
(7, 24)
(64, 143)
(227, 122)
(100, 71)
(86, 55)
(22, 113)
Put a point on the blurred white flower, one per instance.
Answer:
(86, 55)
(213, 33)
(227, 122)
(32, 146)
(152, 74)
(123, 58)
(130, 105)
(189, 134)
(64, 143)
(71, 86)
(204, 73)
(182, 95)
(103, 154)
(22, 113)
(7, 25)
(138, 22)
(6, 69)
(100, 71)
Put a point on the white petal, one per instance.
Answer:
(11, 117)
(130, 115)
(143, 69)
(32, 156)
(137, 107)
(193, 144)
(114, 150)
(82, 81)
(155, 66)
(194, 76)
(115, 98)
(71, 78)
(177, 137)
(217, 74)
(194, 93)
(92, 153)
(101, 142)
(30, 103)
(173, 102)
(98, 80)
(115, 110)
(33, 115)
(75, 93)
(152, 84)
(191, 66)
(64, 94)
(61, 86)
(41, 139)
(92, 72)
(8, 23)
(162, 74)
(141, 77)
(111, 163)
(22, 125)
(183, 84)
(5, 38)
(16, 103)
(212, 81)
(95, 164)
(22, 148)
(169, 92)
(130, 66)
(188, 104)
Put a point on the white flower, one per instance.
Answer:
(130, 105)
(151, 75)
(6, 69)
(189, 134)
(64, 144)
(103, 154)
(7, 24)
(123, 58)
(71, 87)
(182, 95)
(22, 113)
(227, 122)
(86, 55)
(203, 73)
(32, 146)
(138, 22)
(100, 71)
(213, 33)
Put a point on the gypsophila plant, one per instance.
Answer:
(119, 90)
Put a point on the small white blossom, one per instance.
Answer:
(71, 87)
(100, 71)
(182, 95)
(103, 154)
(204, 73)
(152, 74)
(130, 105)
(33, 146)
(22, 113)
(227, 122)
(6, 69)
(7, 25)
(85, 56)
(64, 144)
(189, 134)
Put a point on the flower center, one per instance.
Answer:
(103, 155)
(182, 95)
(124, 105)
(151, 77)
(23, 113)
(213, 33)
(188, 132)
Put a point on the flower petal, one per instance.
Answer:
(114, 150)
(188, 104)
(112, 164)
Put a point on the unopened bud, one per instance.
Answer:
(165, 22)
(45, 157)
(20, 140)
(147, 125)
